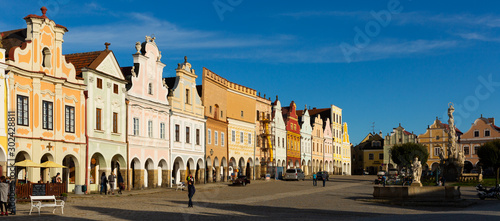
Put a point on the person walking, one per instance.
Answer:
(121, 184)
(315, 179)
(191, 191)
(111, 181)
(323, 176)
(104, 184)
(4, 192)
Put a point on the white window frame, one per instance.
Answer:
(233, 136)
(222, 139)
(162, 130)
(150, 129)
(242, 137)
(136, 126)
(250, 138)
(216, 138)
(209, 136)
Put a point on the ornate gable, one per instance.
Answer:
(110, 66)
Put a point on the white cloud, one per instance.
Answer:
(169, 36)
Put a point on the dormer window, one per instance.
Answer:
(487, 133)
(46, 58)
(150, 88)
(476, 133)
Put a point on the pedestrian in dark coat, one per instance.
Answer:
(121, 184)
(104, 184)
(191, 191)
(324, 178)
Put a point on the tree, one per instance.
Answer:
(489, 155)
(403, 154)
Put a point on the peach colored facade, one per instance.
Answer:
(148, 120)
(317, 144)
(482, 130)
(49, 102)
(262, 144)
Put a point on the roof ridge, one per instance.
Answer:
(83, 53)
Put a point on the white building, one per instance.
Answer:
(279, 129)
(187, 125)
(305, 140)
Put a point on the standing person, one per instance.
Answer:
(104, 184)
(323, 176)
(315, 179)
(4, 192)
(191, 191)
(111, 181)
(121, 184)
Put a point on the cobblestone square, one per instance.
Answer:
(343, 198)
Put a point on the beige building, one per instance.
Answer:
(398, 136)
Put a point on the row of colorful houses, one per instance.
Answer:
(373, 155)
(93, 116)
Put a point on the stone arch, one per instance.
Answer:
(22, 171)
(249, 168)
(71, 174)
(163, 176)
(149, 169)
(209, 169)
(136, 168)
(178, 170)
(468, 166)
(199, 173)
(297, 164)
(434, 166)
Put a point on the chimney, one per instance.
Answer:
(491, 120)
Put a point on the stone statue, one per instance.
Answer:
(417, 170)
(138, 47)
(452, 137)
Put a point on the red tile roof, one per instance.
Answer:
(84, 60)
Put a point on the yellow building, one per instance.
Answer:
(241, 112)
(436, 141)
(3, 112)
(48, 99)
(346, 151)
(369, 154)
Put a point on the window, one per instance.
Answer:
(380, 156)
(216, 138)
(258, 115)
(98, 119)
(233, 136)
(47, 115)
(70, 119)
(115, 88)
(370, 156)
(278, 142)
(150, 128)
(475, 149)
(476, 133)
(22, 110)
(241, 113)
(197, 136)
(177, 133)
(249, 138)
(187, 135)
(150, 88)
(487, 133)
(162, 130)
(437, 150)
(210, 109)
(115, 122)
(99, 83)
(221, 114)
(437, 137)
(466, 150)
(136, 126)
(222, 138)
(209, 136)
(241, 137)
(187, 96)
(46, 58)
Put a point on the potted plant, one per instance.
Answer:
(64, 196)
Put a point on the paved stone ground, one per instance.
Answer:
(343, 198)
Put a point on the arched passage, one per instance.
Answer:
(468, 166)
(224, 169)
(118, 166)
(136, 168)
(71, 174)
(249, 169)
(178, 171)
(163, 173)
(46, 173)
(209, 170)
(216, 170)
(22, 171)
(199, 174)
(97, 166)
(149, 174)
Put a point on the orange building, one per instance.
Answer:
(481, 131)
(214, 97)
(48, 99)
(292, 136)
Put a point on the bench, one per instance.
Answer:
(49, 201)
(181, 186)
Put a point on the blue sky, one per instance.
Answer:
(405, 69)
